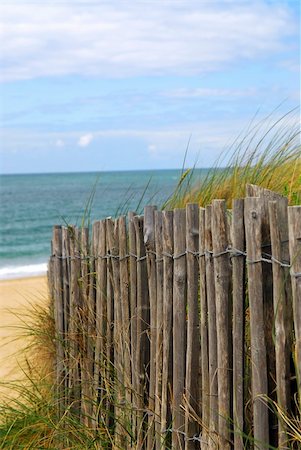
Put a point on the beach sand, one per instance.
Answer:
(15, 297)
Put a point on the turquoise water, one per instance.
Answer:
(32, 204)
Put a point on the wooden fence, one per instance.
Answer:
(182, 329)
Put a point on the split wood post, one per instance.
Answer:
(142, 355)
(282, 309)
(149, 242)
(110, 381)
(204, 363)
(210, 389)
(58, 315)
(66, 306)
(133, 317)
(74, 326)
(84, 323)
(193, 330)
(294, 220)
(100, 321)
(113, 247)
(253, 216)
(222, 287)
(159, 334)
(125, 326)
(238, 281)
(268, 304)
(179, 327)
(91, 326)
(167, 374)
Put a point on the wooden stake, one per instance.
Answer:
(179, 327)
(193, 333)
(222, 286)
(253, 222)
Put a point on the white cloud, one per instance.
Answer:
(211, 92)
(139, 38)
(85, 140)
(60, 143)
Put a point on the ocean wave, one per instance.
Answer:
(23, 271)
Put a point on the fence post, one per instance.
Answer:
(253, 223)
(167, 374)
(149, 242)
(238, 277)
(142, 356)
(179, 327)
(100, 321)
(193, 331)
(125, 325)
(294, 220)
(282, 297)
(159, 336)
(222, 290)
(58, 315)
(212, 387)
(133, 319)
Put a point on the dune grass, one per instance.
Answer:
(269, 155)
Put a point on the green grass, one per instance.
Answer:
(269, 155)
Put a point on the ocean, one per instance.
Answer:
(32, 204)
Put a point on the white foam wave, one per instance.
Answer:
(29, 270)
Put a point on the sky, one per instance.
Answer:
(122, 85)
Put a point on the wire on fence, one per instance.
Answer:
(231, 251)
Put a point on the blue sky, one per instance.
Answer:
(94, 85)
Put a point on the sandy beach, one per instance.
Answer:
(15, 297)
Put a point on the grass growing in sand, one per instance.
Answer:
(269, 155)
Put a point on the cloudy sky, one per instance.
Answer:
(117, 85)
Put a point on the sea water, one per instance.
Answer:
(32, 204)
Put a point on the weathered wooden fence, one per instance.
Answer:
(182, 329)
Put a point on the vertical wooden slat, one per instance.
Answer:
(133, 317)
(238, 277)
(222, 285)
(282, 310)
(100, 320)
(179, 327)
(268, 304)
(84, 330)
(159, 334)
(66, 306)
(205, 388)
(110, 362)
(253, 222)
(125, 326)
(212, 339)
(193, 333)
(294, 220)
(75, 304)
(149, 242)
(167, 321)
(91, 326)
(142, 355)
(58, 315)
(113, 240)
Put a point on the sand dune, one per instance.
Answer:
(15, 297)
